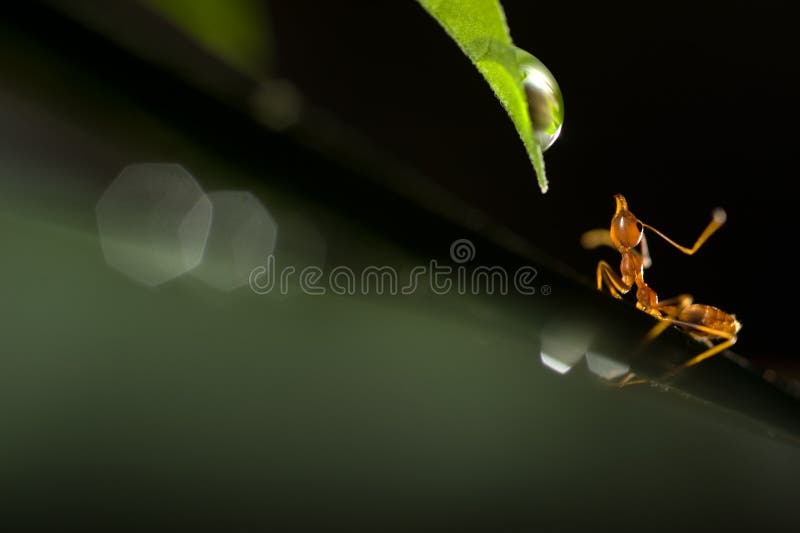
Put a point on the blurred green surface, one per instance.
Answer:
(251, 406)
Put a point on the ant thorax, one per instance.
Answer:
(631, 267)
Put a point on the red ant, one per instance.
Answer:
(703, 322)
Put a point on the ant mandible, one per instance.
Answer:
(703, 322)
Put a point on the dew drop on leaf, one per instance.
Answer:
(545, 103)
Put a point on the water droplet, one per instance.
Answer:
(545, 103)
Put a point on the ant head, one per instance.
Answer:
(626, 230)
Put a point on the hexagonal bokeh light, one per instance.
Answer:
(606, 367)
(564, 345)
(242, 235)
(154, 220)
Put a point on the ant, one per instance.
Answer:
(703, 322)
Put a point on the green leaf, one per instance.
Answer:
(479, 28)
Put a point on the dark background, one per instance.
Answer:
(682, 107)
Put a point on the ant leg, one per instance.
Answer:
(717, 220)
(646, 261)
(730, 340)
(615, 284)
(671, 307)
(631, 378)
(595, 238)
(680, 301)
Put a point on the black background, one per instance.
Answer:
(681, 107)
